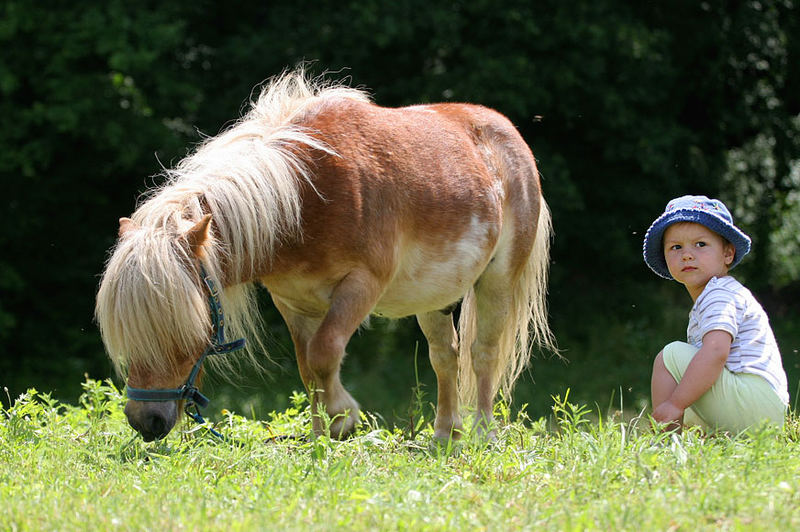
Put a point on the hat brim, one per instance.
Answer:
(653, 248)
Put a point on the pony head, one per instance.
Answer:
(153, 313)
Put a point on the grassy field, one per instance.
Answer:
(65, 467)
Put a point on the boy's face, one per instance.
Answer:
(694, 254)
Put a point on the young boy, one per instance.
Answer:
(729, 375)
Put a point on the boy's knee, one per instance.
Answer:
(677, 344)
(660, 369)
(677, 352)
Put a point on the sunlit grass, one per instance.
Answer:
(81, 468)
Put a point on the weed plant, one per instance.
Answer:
(80, 467)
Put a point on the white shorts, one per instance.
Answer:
(737, 401)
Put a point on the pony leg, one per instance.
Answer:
(351, 302)
(443, 351)
(301, 328)
(341, 408)
(493, 302)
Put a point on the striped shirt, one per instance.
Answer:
(726, 305)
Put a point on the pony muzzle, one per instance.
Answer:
(153, 420)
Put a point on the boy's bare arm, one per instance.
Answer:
(702, 372)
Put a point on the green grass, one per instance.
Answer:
(80, 467)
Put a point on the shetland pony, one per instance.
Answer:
(341, 209)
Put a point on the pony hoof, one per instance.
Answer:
(486, 431)
(488, 436)
(447, 434)
(340, 427)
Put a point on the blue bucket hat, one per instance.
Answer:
(711, 213)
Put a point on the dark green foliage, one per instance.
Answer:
(625, 104)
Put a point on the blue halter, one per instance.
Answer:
(188, 391)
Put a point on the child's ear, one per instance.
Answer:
(729, 253)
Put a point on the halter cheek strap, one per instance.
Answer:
(188, 391)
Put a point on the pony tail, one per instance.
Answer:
(535, 278)
(467, 332)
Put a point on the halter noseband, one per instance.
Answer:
(188, 391)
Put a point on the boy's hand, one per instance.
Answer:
(670, 414)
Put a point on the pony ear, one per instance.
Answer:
(198, 235)
(125, 225)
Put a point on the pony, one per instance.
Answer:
(342, 209)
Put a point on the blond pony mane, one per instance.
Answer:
(150, 306)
